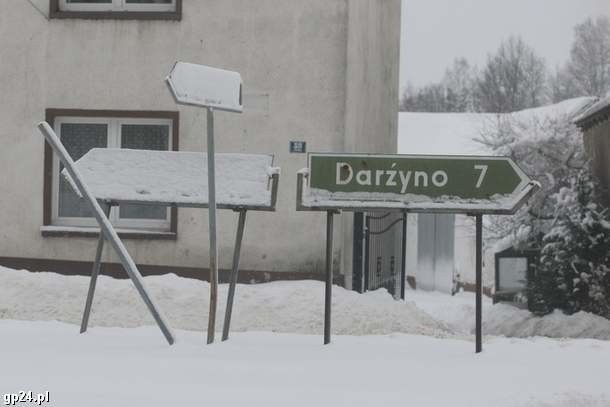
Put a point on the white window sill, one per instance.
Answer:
(74, 231)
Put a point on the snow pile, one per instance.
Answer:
(134, 367)
(284, 306)
(457, 312)
(287, 306)
(507, 321)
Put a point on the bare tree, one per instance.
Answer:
(459, 80)
(408, 99)
(589, 65)
(562, 86)
(430, 98)
(513, 79)
(455, 93)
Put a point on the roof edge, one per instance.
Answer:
(596, 113)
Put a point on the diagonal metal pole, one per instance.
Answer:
(479, 282)
(212, 228)
(234, 272)
(94, 273)
(328, 293)
(108, 230)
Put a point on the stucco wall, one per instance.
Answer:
(302, 82)
(371, 107)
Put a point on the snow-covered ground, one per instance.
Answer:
(419, 352)
(133, 367)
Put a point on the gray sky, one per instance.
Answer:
(434, 32)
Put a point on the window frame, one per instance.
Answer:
(138, 228)
(116, 9)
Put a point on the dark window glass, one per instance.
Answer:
(78, 139)
(144, 137)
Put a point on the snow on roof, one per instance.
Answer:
(440, 133)
(455, 133)
(602, 105)
(569, 108)
(123, 175)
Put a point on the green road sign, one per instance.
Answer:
(412, 184)
(434, 177)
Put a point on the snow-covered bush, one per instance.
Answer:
(549, 148)
(564, 220)
(574, 270)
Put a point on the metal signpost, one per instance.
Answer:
(212, 88)
(108, 233)
(470, 185)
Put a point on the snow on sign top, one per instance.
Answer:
(204, 86)
(176, 178)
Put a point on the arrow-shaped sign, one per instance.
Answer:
(205, 86)
(456, 183)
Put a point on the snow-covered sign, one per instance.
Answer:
(455, 184)
(204, 86)
(177, 178)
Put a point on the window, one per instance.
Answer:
(144, 9)
(85, 130)
(79, 135)
(512, 274)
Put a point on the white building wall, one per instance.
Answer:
(294, 57)
(464, 252)
(371, 106)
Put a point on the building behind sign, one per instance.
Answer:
(306, 76)
(595, 125)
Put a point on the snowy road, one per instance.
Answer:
(384, 352)
(133, 367)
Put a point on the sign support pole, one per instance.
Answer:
(212, 227)
(367, 249)
(479, 282)
(94, 274)
(403, 254)
(234, 274)
(329, 276)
